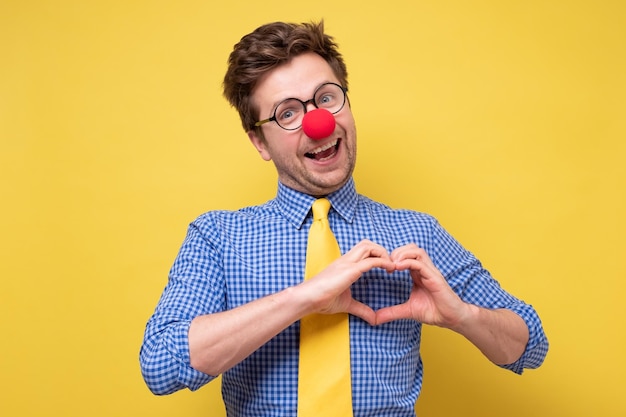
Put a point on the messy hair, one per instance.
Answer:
(267, 47)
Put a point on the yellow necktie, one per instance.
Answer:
(324, 383)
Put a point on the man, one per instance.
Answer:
(236, 294)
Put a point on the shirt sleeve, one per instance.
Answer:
(194, 288)
(475, 285)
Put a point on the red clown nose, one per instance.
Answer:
(318, 124)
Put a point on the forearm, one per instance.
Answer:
(500, 334)
(219, 341)
(178, 352)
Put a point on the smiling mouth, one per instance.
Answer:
(324, 152)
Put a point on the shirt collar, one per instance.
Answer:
(295, 206)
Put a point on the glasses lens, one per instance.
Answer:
(289, 114)
(330, 97)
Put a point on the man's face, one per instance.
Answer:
(299, 160)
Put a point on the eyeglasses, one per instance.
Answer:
(290, 112)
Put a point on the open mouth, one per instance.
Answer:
(324, 152)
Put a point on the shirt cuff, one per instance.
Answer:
(537, 346)
(166, 365)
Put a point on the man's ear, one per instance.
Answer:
(259, 144)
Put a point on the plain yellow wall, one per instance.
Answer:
(504, 119)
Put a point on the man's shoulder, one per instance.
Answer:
(266, 209)
(382, 209)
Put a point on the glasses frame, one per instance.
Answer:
(304, 106)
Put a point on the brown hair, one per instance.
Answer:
(266, 48)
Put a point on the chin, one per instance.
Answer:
(327, 188)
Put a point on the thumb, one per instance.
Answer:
(397, 312)
(363, 311)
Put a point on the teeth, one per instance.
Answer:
(323, 148)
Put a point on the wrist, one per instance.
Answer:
(298, 299)
(467, 319)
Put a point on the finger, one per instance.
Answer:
(422, 255)
(368, 264)
(391, 313)
(363, 311)
(412, 251)
(401, 252)
(409, 251)
(368, 255)
(419, 269)
(425, 277)
(366, 249)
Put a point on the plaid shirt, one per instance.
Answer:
(230, 258)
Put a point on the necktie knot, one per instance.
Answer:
(320, 208)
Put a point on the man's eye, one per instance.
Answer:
(325, 100)
(286, 114)
(289, 110)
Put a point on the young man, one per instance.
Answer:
(236, 295)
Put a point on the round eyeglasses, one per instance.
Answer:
(290, 112)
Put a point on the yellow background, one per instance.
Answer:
(504, 119)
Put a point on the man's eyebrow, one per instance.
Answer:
(275, 105)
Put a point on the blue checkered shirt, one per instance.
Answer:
(230, 258)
